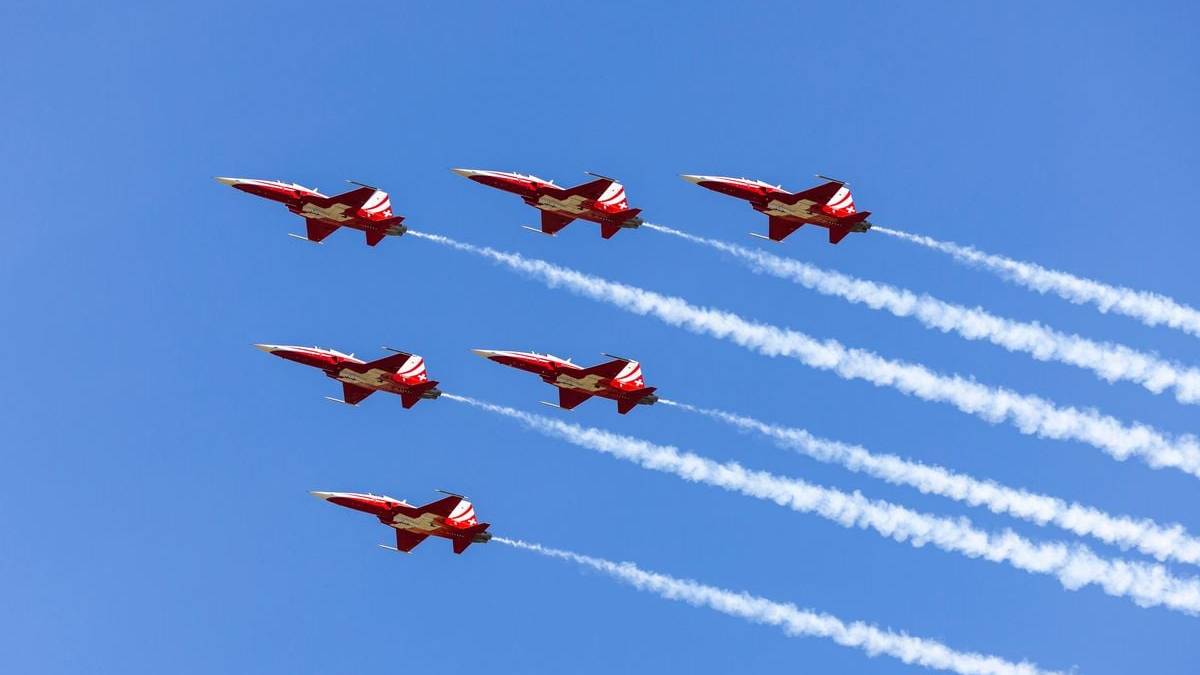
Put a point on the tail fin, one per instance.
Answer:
(613, 198)
(841, 204)
(424, 390)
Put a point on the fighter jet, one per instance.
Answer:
(365, 208)
(828, 205)
(452, 518)
(600, 201)
(401, 373)
(619, 379)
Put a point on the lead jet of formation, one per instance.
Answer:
(619, 379)
(452, 518)
(829, 205)
(601, 201)
(400, 373)
(365, 208)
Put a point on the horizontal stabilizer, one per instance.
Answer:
(838, 233)
(633, 398)
(424, 390)
(475, 534)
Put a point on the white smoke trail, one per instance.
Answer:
(1029, 414)
(1110, 361)
(1151, 309)
(1145, 535)
(793, 620)
(1074, 566)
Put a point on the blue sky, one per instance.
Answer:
(156, 515)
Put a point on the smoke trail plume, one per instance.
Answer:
(1029, 414)
(793, 620)
(1151, 309)
(1074, 566)
(1109, 361)
(1169, 542)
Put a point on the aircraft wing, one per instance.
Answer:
(354, 198)
(352, 394)
(318, 230)
(591, 190)
(442, 507)
(779, 228)
(569, 398)
(607, 369)
(390, 363)
(820, 194)
(553, 222)
(407, 541)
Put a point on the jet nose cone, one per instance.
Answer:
(228, 181)
(466, 173)
(266, 348)
(485, 353)
(323, 496)
(691, 178)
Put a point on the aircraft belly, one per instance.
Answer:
(590, 384)
(422, 524)
(800, 209)
(369, 379)
(335, 214)
(571, 206)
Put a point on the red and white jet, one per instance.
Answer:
(401, 373)
(365, 208)
(619, 379)
(600, 201)
(452, 518)
(828, 205)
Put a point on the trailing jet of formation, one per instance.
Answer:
(452, 517)
(602, 201)
(619, 379)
